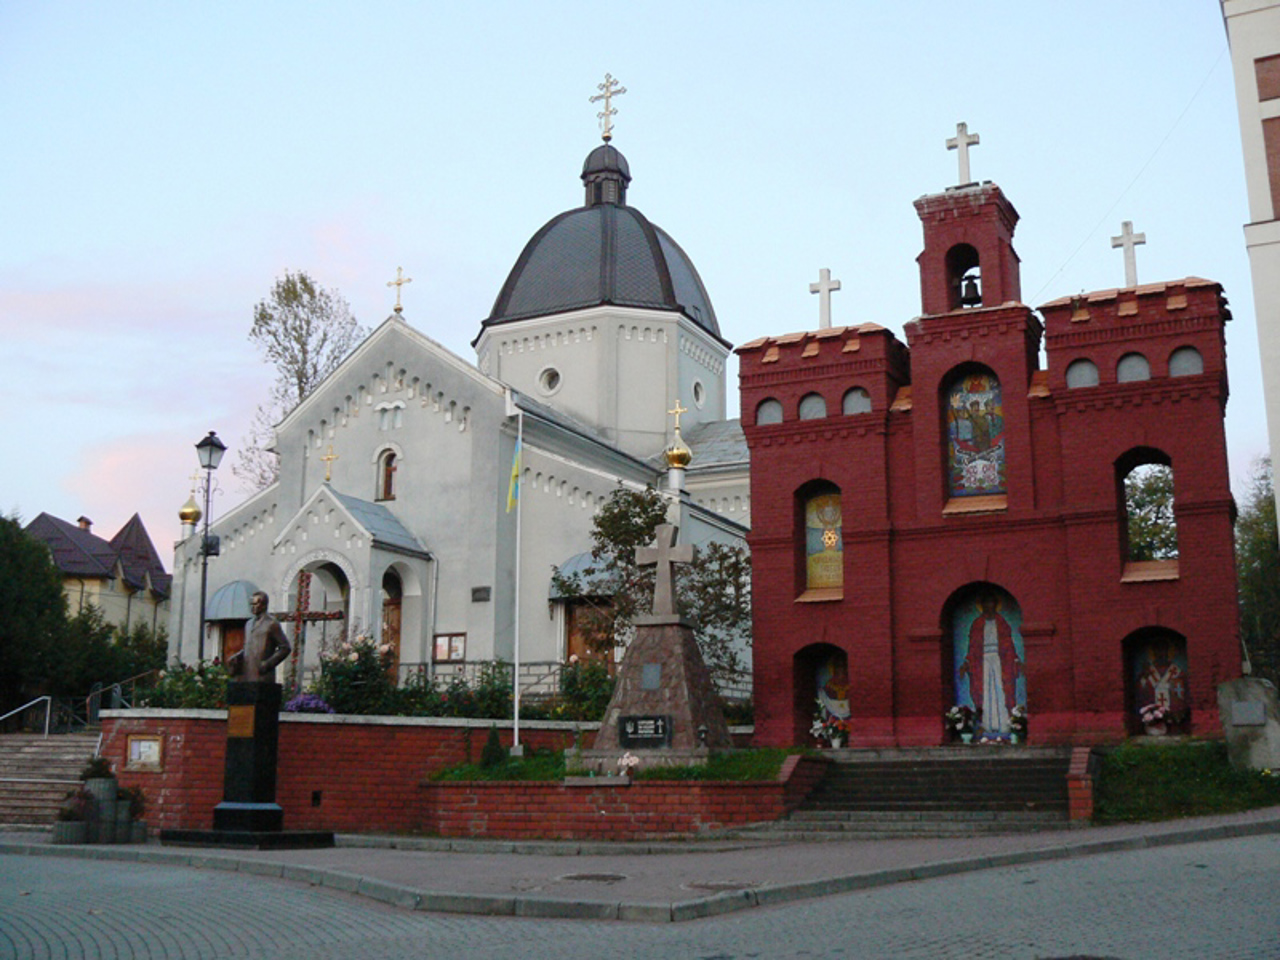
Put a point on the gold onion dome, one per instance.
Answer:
(190, 512)
(678, 454)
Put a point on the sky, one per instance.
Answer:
(164, 163)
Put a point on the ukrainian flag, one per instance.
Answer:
(513, 487)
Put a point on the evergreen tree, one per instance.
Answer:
(32, 613)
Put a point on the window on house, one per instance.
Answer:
(1185, 362)
(387, 475)
(1133, 367)
(1082, 373)
(856, 400)
(813, 407)
(768, 411)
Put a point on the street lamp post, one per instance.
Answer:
(210, 450)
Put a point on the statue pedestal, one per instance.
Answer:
(665, 710)
(248, 815)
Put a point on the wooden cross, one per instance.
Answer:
(663, 555)
(328, 459)
(300, 616)
(399, 282)
(607, 94)
(962, 141)
(1128, 239)
(824, 288)
(677, 411)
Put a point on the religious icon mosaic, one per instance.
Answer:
(990, 676)
(975, 436)
(1159, 677)
(824, 542)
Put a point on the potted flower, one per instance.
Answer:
(1155, 719)
(827, 726)
(626, 763)
(72, 825)
(961, 719)
(1018, 723)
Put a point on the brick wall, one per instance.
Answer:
(350, 774)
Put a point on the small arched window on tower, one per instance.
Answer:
(1081, 373)
(1149, 527)
(1186, 362)
(856, 400)
(964, 277)
(768, 412)
(1133, 367)
(812, 407)
(387, 475)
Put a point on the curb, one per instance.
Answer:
(718, 904)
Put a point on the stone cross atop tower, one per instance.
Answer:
(1129, 240)
(962, 141)
(824, 288)
(663, 555)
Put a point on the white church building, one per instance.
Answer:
(390, 517)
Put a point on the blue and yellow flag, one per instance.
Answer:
(513, 487)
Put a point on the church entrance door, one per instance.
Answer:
(232, 638)
(586, 628)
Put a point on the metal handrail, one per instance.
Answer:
(48, 710)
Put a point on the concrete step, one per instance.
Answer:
(37, 772)
(919, 816)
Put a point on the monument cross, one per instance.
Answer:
(328, 459)
(962, 141)
(607, 94)
(1128, 239)
(824, 288)
(399, 282)
(663, 555)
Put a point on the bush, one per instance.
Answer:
(1165, 781)
(97, 768)
(358, 677)
(535, 765)
(492, 754)
(307, 703)
(180, 687)
(79, 805)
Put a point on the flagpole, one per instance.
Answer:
(516, 748)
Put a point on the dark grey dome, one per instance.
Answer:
(603, 253)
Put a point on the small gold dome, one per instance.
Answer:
(678, 455)
(190, 512)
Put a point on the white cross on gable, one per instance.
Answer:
(962, 141)
(824, 288)
(1128, 239)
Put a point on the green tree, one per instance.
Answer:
(304, 331)
(1148, 497)
(1258, 573)
(713, 593)
(32, 613)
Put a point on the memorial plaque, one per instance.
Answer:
(240, 720)
(1248, 713)
(145, 752)
(643, 732)
(651, 676)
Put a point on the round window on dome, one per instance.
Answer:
(549, 380)
(699, 394)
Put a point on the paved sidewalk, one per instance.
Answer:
(646, 881)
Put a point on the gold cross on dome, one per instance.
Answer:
(676, 413)
(328, 459)
(607, 93)
(399, 282)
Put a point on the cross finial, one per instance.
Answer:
(663, 555)
(962, 141)
(607, 93)
(676, 411)
(195, 482)
(328, 459)
(399, 282)
(824, 288)
(1128, 239)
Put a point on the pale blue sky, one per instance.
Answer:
(163, 163)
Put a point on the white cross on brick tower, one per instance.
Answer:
(962, 141)
(663, 555)
(1128, 239)
(824, 288)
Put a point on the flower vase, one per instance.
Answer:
(1156, 729)
(1013, 738)
(966, 737)
(837, 743)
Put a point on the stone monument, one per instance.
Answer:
(664, 709)
(248, 815)
(1250, 712)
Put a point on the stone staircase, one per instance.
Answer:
(937, 792)
(37, 772)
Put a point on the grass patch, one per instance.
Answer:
(536, 765)
(1166, 781)
(762, 764)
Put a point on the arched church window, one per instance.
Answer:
(856, 400)
(768, 411)
(1150, 528)
(975, 435)
(1082, 373)
(812, 407)
(823, 542)
(387, 475)
(1185, 362)
(1133, 367)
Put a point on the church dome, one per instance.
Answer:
(604, 252)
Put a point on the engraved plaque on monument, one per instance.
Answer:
(644, 732)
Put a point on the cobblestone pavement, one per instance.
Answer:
(1219, 900)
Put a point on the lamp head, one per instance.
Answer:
(211, 450)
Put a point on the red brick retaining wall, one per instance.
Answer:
(607, 808)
